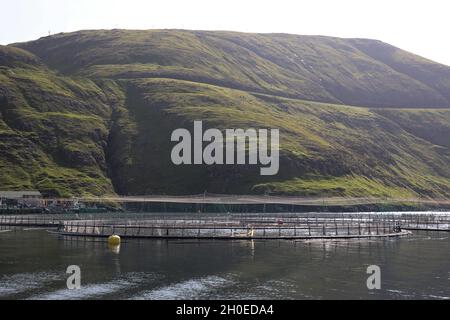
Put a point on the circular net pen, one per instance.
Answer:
(242, 227)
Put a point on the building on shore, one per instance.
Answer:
(21, 198)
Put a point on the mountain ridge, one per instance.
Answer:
(287, 65)
(91, 113)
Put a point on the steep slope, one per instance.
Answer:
(325, 149)
(314, 68)
(92, 112)
(434, 75)
(53, 129)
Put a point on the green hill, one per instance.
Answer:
(349, 71)
(92, 112)
(53, 129)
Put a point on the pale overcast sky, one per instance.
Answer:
(422, 27)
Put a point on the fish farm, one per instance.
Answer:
(236, 226)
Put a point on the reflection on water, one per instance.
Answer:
(114, 249)
(33, 265)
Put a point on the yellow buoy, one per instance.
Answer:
(114, 240)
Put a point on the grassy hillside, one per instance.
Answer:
(92, 112)
(325, 149)
(53, 129)
(348, 71)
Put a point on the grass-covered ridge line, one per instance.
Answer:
(348, 71)
(91, 113)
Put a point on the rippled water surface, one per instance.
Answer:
(33, 265)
